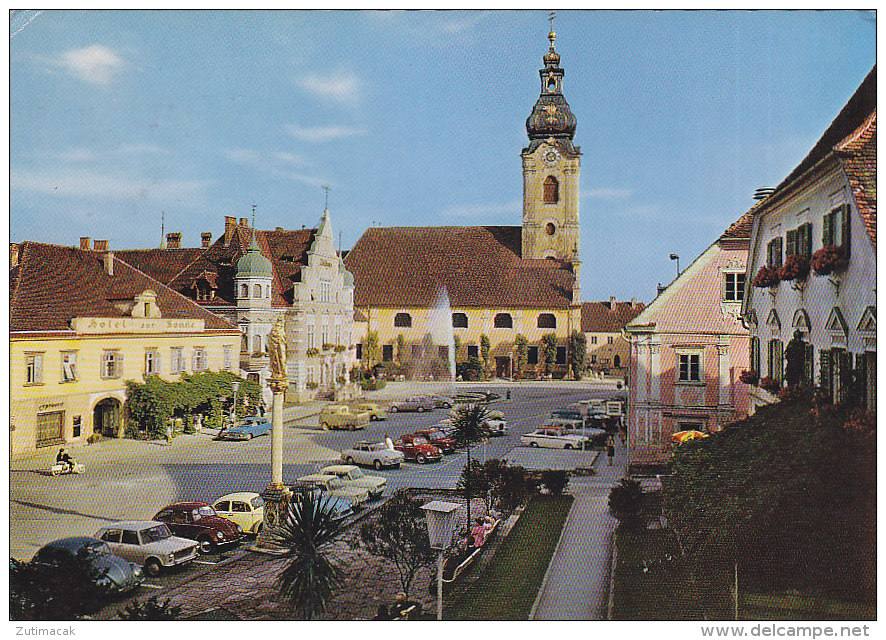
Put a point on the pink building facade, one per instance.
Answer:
(688, 349)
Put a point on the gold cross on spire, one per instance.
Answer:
(326, 189)
(552, 36)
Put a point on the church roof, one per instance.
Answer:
(54, 284)
(601, 317)
(480, 266)
(858, 156)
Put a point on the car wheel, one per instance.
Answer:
(204, 545)
(324, 426)
(394, 409)
(567, 446)
(446, 405)
(420, 409)
(420, 459)
(349, 460)
(377, 465)
(152, 567)
(258, 528)
(251, 436)
(533, 444)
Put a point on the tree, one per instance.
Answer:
(484, 353)
(309, 578)
(549, 351)
(456, 347)
(371, 353)
(68, 590)
(521, 352)
(555, 480)
(578, 352)
(400, 534)
(401, 349)
(469, 426)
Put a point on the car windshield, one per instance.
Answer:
(355, 473)
(378, 446)
(203, 512)
(97, 548)
(155, 533)
(257, 502)
(419, 440)
(335, 483)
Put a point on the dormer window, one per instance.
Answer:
(733, 286)
(145, 305)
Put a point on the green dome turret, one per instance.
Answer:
(253, 264)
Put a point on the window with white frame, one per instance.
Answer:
(593, 339)
(33, 368)
(689, 366)
(112, 364)
(610, 339)
(325, 289)
(69, 366)
(311, 339)
(177, 364)
(152, 362)
(733, 286)
(228, 351)
(200, 359)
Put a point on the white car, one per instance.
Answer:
(244, 508)
(372, 454)
(147, 543)
(353, 477)
(553, 438)
(496, 423)
(336, 487)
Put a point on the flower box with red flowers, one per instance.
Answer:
(827, 260)
(749, 376)
(769, 384)
(766, 277)
(794, 268)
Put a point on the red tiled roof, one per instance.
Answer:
(55, 284)
(480, 267)
(161, 264)
(858, 156)
(599, 317)
(741, 228)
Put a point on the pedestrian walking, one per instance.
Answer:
(509, 393)
(168, 434)
(610, 449)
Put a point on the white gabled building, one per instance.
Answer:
(823, 216)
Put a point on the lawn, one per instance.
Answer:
(508, 586)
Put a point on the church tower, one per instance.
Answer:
(550, 170)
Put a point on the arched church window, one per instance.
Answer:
(547, 321)
(256, 291)
(460, 320)
(552, 190)
(503, 321)
(402, 319)
(244, 290)
(256, 343)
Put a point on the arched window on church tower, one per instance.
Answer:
(552, 190)
(256, 291)
(244, 290)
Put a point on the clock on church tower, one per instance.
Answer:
(551, 165)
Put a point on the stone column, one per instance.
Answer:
(276, 496)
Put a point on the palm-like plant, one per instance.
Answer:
(469, 424)
(309, 578)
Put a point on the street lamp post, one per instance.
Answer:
(440, 515)
(235, 386)
(674, 256)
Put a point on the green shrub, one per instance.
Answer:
(152, 609)
(626, 498)
(555, 480)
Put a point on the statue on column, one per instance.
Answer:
(277, 349)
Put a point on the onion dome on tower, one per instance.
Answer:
(253, 264)
(551, 116)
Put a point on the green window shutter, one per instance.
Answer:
(778, 254)
(824, 358)
(845, 229)
(807, 240)
(779, 360)
(827, 232)
(791, 243)
(808, 363)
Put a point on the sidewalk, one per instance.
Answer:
(576, 585)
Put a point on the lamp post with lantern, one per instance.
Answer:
(440, 516)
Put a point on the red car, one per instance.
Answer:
(198, 521)
(417, 448)
(438, 438)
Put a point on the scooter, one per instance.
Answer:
(62, 468)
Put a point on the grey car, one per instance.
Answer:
(413, 403)
(372, 454)
(147, 543)
(105, 569)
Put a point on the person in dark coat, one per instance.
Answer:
(610, 449)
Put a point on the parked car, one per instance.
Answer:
(413, 403)
(341, 507)
(418, 448)
(571, 414)
(148, 543)
(438, 438)
(244, 508)
(247, 429)
(552, 438)
(595, 435)
(340, 416)
(444, 402)
(198, 521)
(336, 487)
(496, 423)
(375, 412)
(352, 476)
(104, 568)
(372, 454)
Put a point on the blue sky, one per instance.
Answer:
(415, 119)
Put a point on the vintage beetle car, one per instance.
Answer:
(198, 521)
(414, 403)
(352, 476)
(439, 401)
(418, 448)
(374, 454)
(147, 543)
(244, 508)
(247, 429)
(375, 411)
(496, 423)
(438, 438)
(102, 567)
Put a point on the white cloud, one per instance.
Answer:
(285, 157)
(322, 134)
(342, 87)
(95, 64)
(483, 210)
(277, 164)
(93, 184)
(605, 193)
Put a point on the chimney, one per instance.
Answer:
(173, 241)
(244, 222)
(84, 243)
(13, 255)
(108, 259)
(230, 223)
(279, 229)
(612, 303)
(101, 245)
(206, 239)
(661, 289)
(633, 303)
